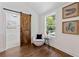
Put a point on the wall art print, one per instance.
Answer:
(70, 27)
(71, 10)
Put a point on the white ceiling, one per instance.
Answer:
(39, 7)
(42, 7)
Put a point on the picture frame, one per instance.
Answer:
(71, 10)
(70, 27)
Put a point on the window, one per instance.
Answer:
(50, 25)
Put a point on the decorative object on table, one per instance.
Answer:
(46, 40)
(71, 10)
(70, 27)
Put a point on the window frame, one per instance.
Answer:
(46, 24)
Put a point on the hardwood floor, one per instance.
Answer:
(32, 51)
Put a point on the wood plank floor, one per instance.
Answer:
(32, 51)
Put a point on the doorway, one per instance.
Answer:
(12, 29)
(25, 29)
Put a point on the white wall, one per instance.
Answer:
(65, 42)
(2, 30)
(2, 33)
(17, 7)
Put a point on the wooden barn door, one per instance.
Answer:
(25, 29)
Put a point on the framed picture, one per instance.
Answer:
(70, 27)
(71, 10)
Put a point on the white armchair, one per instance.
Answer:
(38, 40)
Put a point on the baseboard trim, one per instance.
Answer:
(64, 54)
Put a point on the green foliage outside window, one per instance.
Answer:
(50, 24)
